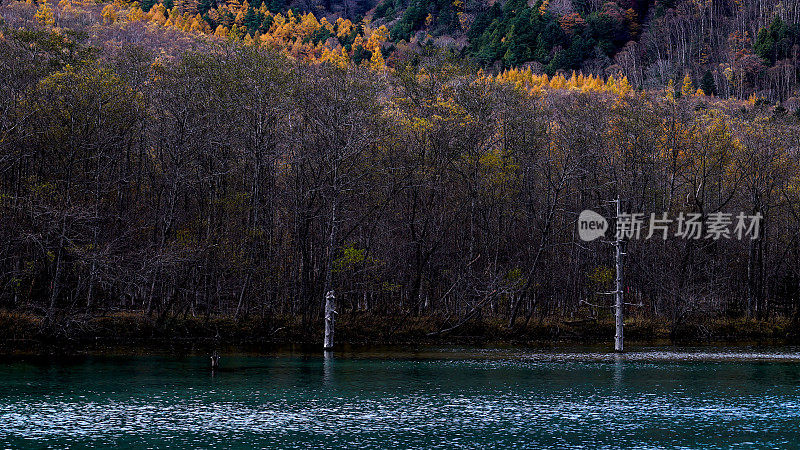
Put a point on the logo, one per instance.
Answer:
(715, 225)
(591, 225)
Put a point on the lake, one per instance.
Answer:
(431, 398)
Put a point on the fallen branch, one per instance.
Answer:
(467, 317)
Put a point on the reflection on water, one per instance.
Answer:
(619, 365)
(327, 365)
(477, 398)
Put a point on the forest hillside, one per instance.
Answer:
(197, 169)
(729, 48)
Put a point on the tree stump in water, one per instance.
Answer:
(329, 320)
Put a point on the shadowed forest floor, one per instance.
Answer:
(20, 331)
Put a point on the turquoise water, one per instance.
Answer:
(439, 398)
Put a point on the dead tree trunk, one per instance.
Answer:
(618, 337)
(330, 312)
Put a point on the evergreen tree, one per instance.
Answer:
(203, 6)
(251, 21)
(775, 42)
(412, 20)
(275, 6)
(361, 54)
(147, 4)
(707, 83)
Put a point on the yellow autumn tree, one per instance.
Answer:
(543, 7)
(377, 38)
(109, 14)
(234, 6)
(221, 31)
(135, 13)
(344, 59)
(358, 42)
(687, 89)
(558, 82)
(611, 83)
(195, 27)
(377, 62)
(235, 32)
(623, 87)
(44, 14)
(590, 84)
(159, 17)
(325, 24)
(308, 25)
(175, 18)
(670, 90)
(343, 27)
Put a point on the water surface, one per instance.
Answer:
(436, 398)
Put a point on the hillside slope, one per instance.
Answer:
(731, 48)
(728, 48)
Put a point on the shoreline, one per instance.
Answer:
(26, 332)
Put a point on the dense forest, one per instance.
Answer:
(729, 48)
(149, 165)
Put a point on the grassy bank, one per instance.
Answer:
(20, 330)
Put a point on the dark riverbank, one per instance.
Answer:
(26, 331)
